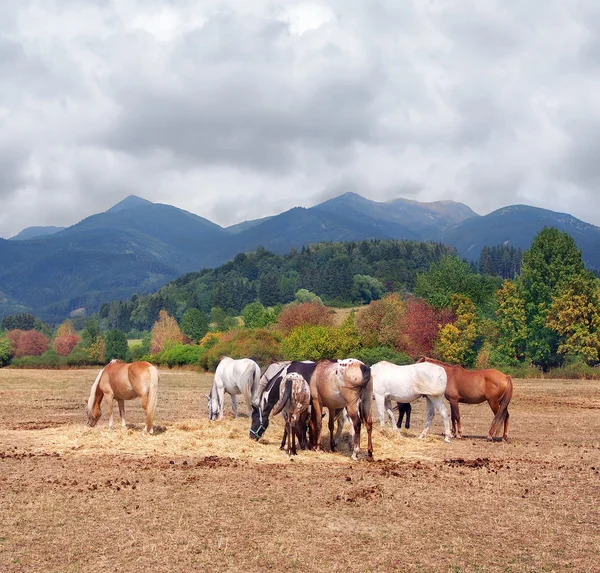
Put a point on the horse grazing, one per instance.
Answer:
(234, 377)
(339, 384)
(407, 383)
(265, 400)
(123, 381)
(294, 398)
(402, 410)
(475, 387)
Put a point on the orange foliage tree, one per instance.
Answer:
(380, 322)
(14, 336)
(307, 313)
(64, 344)
(66, 328)
(165, 329)
(32, 343)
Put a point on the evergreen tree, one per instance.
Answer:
(116, 345)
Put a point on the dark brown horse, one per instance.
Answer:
(338, 384)
(475, 387)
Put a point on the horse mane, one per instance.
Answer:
(95, 386)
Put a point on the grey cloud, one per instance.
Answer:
(238, 111)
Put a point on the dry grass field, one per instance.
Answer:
(200, 495)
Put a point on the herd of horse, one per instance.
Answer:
(303, 389)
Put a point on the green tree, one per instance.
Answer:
(552, 259)
(5, 352)
(366, 288)
(512, 323)
(23, 321)
(194, 324)
(450, 276)
(575, 316)
(90, 333)
(116, 345)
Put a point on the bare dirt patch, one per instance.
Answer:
(200, 495)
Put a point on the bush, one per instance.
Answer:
(371, 356)
(210, 339)
(318, 343)
(379, 324)
(307, 313)
(47, 360)
(260, 345)
(179, 355)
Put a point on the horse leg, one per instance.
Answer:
(380, 402)
(455, 414)
(316, 419)
(408, 412)
(390, 412)
(495, 406)
(400, 415)
(441, 408)
(430, 414)
(122, 413)
(293, 451)
(331, 424)
(109, 409)
(148, 428)
(505, 434)
(234, 405)
(285, 431)
(356, 423)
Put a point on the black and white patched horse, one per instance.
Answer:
(271, 381)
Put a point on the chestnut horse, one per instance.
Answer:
(121, 381)
(475, 387)
(338, 384)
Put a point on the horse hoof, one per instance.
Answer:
(447, 440)
(370, 457)
(355, 457)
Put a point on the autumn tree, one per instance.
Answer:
(307, 314)
(456, 340)
(165, 329)
(66, 328)
(574, 315)
(64, 344)
(419, 327)
(31, 343)
(379, 323)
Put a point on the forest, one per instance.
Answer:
(530, 312)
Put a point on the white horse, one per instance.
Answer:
(407, 383)
(234, 377)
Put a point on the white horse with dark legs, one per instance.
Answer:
(234, 377)
(405, 384)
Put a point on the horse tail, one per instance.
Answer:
(287, 394)
(152, 394)
(254, 385)
(502, 412)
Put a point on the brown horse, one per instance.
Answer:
(121, 381)
(338, 384)
(475, 387)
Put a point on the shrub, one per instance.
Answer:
(307, 313)
(79, 357)
(210, 339)
(379, 323)
(179, 355)
(259, 344)
(319, 342)
(64, 344)
(47, 360)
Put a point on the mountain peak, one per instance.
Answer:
(130, 202)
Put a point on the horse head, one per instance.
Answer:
(259, 423)
(92, 417)
(213, 406)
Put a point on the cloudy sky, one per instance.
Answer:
(239, 109)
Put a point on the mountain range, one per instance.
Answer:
(138, 246)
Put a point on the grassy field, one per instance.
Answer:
(200, 495)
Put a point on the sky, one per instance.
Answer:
(239, 109)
